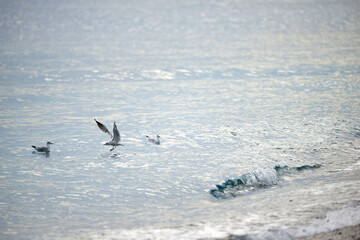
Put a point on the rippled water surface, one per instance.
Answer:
(236, 90)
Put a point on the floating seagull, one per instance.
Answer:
(156, 141)
(115, 139)
(43, 149)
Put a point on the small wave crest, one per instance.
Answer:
(260, 178)
(285, 169)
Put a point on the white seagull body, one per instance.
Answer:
(115, 137)
(155, 141)
(43, 149)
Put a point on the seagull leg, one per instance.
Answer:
(112, 148)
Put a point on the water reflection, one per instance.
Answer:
(46, 154)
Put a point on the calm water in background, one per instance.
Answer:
(230, 86)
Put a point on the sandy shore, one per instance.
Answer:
(346, 233)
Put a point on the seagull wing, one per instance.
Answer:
(150, 139)
(103, 128)
(41, 149)
(116, 137)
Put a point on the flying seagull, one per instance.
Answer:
(115, 137)
(156, 141)
(43, 149)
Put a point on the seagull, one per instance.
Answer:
(156, 141)
(115, 139)
(43, 149)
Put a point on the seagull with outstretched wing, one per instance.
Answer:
(115, 137)
(155, 141)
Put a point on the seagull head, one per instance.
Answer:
(49, 143)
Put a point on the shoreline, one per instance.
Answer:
(344, 233)
(350, 233)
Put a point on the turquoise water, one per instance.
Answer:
(234, 89)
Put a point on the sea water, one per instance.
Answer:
(256, 103)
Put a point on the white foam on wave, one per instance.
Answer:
(348, 216)
(345, 217)
(264, 177)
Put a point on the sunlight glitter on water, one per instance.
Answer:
(232, 88)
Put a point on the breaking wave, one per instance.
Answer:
(260, 178)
